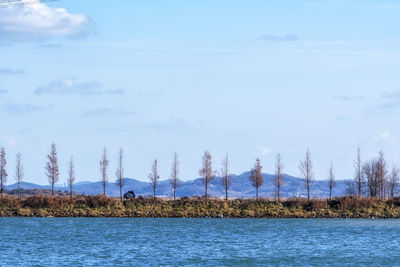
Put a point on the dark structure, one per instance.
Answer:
(129, 195)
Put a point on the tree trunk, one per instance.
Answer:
(279, 193)
(226, 193)
(206, 190)
(52, 189)
(256, 193)
(70, 192)
(19, 189)
(120, 193)
(174, 194)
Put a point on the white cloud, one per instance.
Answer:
(39, 21)
(385, 136)
(72, 86)
(264, 150)
(8, 140)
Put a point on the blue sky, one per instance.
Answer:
(252, 78)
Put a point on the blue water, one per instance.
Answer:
(198, 242)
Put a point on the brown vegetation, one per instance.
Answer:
(102, 206)
(206, 172)
(52, 171)
(256, 177)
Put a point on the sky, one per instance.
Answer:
(248, 78)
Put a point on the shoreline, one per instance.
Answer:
(102, 206)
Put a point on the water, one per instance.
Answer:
(197, 242)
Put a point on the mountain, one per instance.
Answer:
(241, 187)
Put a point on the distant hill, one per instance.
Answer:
(241, 187)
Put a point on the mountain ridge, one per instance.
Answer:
(240, 187)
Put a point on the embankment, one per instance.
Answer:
(101, 206)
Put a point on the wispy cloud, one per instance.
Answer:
(9, 71)
(72, 86)
(390, 104)
(392, 95)
(348, 98)
(106, 111)
(383, 109)
(279, 38)
(40, 21)
(21, 108)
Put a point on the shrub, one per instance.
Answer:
(45, 202)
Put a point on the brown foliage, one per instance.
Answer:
(352, 203)
(39, 202)
(206, 172)
(48, 202)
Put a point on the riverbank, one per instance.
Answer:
(101, 206)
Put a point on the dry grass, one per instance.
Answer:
(90, 206)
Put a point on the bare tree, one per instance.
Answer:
(381, 173)
(306, 167)
(71, 175)
(331, 181)
(103, 170)
(52, 171)
(393, 181)
(120, 173)
(226, 177)
(256, 177)
(278, 181)
(3, 172)
(358, 177)
(350, 189)
(369, 174)
(174, 180)
(207, 172)
(19, 171)
(154, 177)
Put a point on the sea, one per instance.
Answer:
(198, 242)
